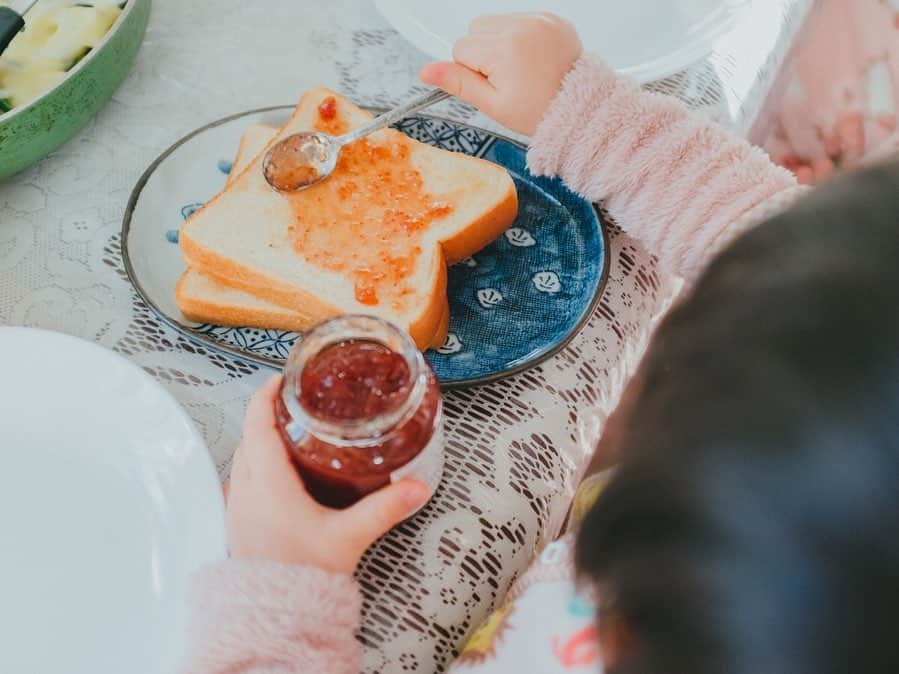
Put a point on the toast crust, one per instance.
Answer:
(483, 231)
(425, 329)
(243, 158)
(237, 276)
(442, 329)
(206, 310)
(200, 309)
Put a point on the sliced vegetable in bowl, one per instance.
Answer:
(66, 71)
(57, 35)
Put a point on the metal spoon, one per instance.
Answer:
(304, 159)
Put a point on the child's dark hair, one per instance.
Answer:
(753, 524)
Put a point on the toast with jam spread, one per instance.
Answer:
(374, 238)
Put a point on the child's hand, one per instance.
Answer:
(271, 516)
(510, 67)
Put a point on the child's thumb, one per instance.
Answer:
(463, 83)
(378, 513)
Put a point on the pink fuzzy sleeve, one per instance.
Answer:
(250, 617)
(667, 176)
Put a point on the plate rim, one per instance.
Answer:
(263, 361)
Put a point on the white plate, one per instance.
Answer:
(646, 39)
(108, 502)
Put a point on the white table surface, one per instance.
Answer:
(516, 449)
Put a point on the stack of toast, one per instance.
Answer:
(374, 238)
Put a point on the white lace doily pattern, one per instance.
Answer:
(515, 449)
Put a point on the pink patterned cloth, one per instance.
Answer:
(841, 109)
(669, 178)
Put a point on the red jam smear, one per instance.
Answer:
(327, 109)
(351, 381)
(369, 217)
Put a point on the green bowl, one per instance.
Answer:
(31, 132)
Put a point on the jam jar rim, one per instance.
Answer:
(371, 432)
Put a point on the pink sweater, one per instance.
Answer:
(682, 186)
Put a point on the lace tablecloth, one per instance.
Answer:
(515, 449)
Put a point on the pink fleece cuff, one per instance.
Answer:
(667, 175)
(258, 616)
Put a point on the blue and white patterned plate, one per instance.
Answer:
(514, 304)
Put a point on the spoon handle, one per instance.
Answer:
(10, 24)
(419, 103)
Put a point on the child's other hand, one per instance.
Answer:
(271, 516)
(510, 67)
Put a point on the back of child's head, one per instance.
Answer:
(753, 524)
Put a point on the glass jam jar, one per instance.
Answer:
(360, 408)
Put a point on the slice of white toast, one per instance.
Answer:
(247, 267)
(204, 299)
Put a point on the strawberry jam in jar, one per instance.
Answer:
(360, 408)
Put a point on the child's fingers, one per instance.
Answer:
(824, 169)
(262, 466)
(850, 129)
(262, 448)
(805, 175)
(378, 513)
(261, 410)
(476, 52)
(461, 82)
